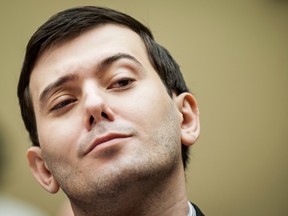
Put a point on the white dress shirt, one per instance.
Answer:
(191, 210)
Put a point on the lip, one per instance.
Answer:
(100, 140)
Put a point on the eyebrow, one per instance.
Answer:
(107, 62)
(62, 80)
(102, 66)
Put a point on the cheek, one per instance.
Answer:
(147, 109)
(59, 136)
(59, 142)
(150, 105)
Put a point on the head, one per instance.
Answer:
(71, 23)
(107, 109)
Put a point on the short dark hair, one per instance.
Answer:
(71, 23)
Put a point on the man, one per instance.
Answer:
(109, 115)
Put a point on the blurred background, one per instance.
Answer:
(234, 56)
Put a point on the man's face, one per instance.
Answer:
(103, 115)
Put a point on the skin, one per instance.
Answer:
(108, 130)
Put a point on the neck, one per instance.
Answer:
(152, 197)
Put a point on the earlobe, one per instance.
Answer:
(40, 171)
(190, 125)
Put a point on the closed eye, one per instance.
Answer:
(63, 104)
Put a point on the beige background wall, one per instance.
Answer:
(234, 56)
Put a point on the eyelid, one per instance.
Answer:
(113, 84)
(61, 102)
(122, 69)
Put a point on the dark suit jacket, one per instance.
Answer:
(198, 211)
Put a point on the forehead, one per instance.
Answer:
(86, 49)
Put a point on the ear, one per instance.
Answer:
(40, 170)
(190, 125)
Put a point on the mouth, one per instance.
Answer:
(110, 138)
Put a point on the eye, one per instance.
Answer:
(63, 104)
(122, 83)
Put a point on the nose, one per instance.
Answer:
(96, 108)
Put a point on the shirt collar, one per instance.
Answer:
(191, 210)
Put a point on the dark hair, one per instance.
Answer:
(73, 22)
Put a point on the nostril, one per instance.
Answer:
(104, 115)
(91, 120)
